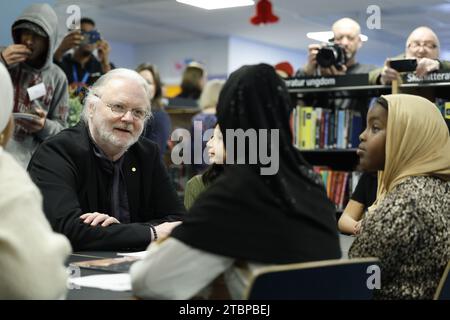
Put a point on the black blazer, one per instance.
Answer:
(72, 182)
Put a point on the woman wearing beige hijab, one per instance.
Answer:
(407, 228)
(31, 254)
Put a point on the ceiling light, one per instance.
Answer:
(217, 4)
(325, 36)
(322, 36)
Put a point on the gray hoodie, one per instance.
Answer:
(55, 100)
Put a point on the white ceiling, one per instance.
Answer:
(153, 21)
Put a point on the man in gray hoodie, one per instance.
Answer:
(40, 86)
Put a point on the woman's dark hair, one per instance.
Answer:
(88, 21)
(212, 173)
(157, 103)
(382, 102)
(191, 82)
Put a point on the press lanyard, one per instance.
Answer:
(75, 77)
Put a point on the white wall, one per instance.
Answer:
(170, 58)
(220, 55)
(9, 12)
(243, 51)
(123, 55)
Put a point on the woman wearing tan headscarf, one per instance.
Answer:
(31, 254)
(407, 228)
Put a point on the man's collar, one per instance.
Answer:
(88, 62)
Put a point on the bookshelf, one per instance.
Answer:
(434, 86)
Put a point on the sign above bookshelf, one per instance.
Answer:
(350, 80)
(354, 82)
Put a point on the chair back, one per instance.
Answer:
(322, 280)
(443, 290)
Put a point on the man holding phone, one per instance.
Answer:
(422, 46)
(82, 68)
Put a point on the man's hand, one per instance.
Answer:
(311, 65)
(388, 74)
(357, 229)
(95, 218)
(71, 40)
(163, 230)
(425, 66)
(103, 55)
(15, 53)
(34, 125)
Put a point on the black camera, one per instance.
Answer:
(331, 55)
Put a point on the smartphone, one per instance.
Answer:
(404, 65)
(90, 37)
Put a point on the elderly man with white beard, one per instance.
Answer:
(104, 187)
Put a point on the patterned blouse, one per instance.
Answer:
(410, 233)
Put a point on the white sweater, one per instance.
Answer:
(31, 254)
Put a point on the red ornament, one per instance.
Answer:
(264, 13)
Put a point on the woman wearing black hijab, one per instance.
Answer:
(244, 215)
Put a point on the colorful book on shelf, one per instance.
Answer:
(299, 118)
(356, 130)
(306, 129)
(340, 129)
(447, 110)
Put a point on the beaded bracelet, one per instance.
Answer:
(154, 233)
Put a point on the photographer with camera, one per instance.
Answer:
(421, 55)
(339, 57)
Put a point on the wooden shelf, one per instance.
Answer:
(352, 150)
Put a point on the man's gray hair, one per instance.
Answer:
(103, 81)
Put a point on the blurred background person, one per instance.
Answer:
(84, 42)
(30, 64)
(284, 69)
(158, 127)
(204, 120)
(82, 67)
(193, 81)
(422, 44)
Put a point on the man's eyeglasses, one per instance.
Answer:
(426, 45)
(119, 110)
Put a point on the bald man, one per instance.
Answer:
(422, 44)
(347, 34)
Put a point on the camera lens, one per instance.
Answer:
(331, 55)
(326, 57)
